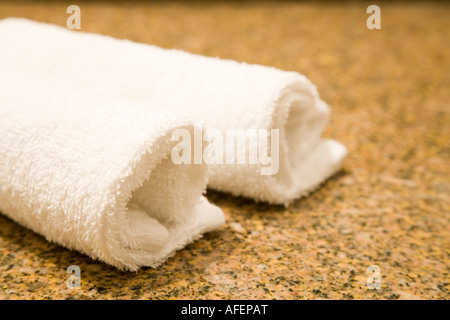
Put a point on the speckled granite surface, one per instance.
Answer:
(389, 206)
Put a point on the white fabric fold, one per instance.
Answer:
(94, 175)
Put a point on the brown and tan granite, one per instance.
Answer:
(389, 206)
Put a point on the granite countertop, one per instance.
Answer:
(389, 206)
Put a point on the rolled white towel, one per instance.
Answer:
(222, 94)
(92, 174)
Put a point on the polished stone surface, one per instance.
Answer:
(389, 206)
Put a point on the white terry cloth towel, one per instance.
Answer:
(91, 174)
(222, 94)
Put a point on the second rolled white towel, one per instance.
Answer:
(222, 94)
